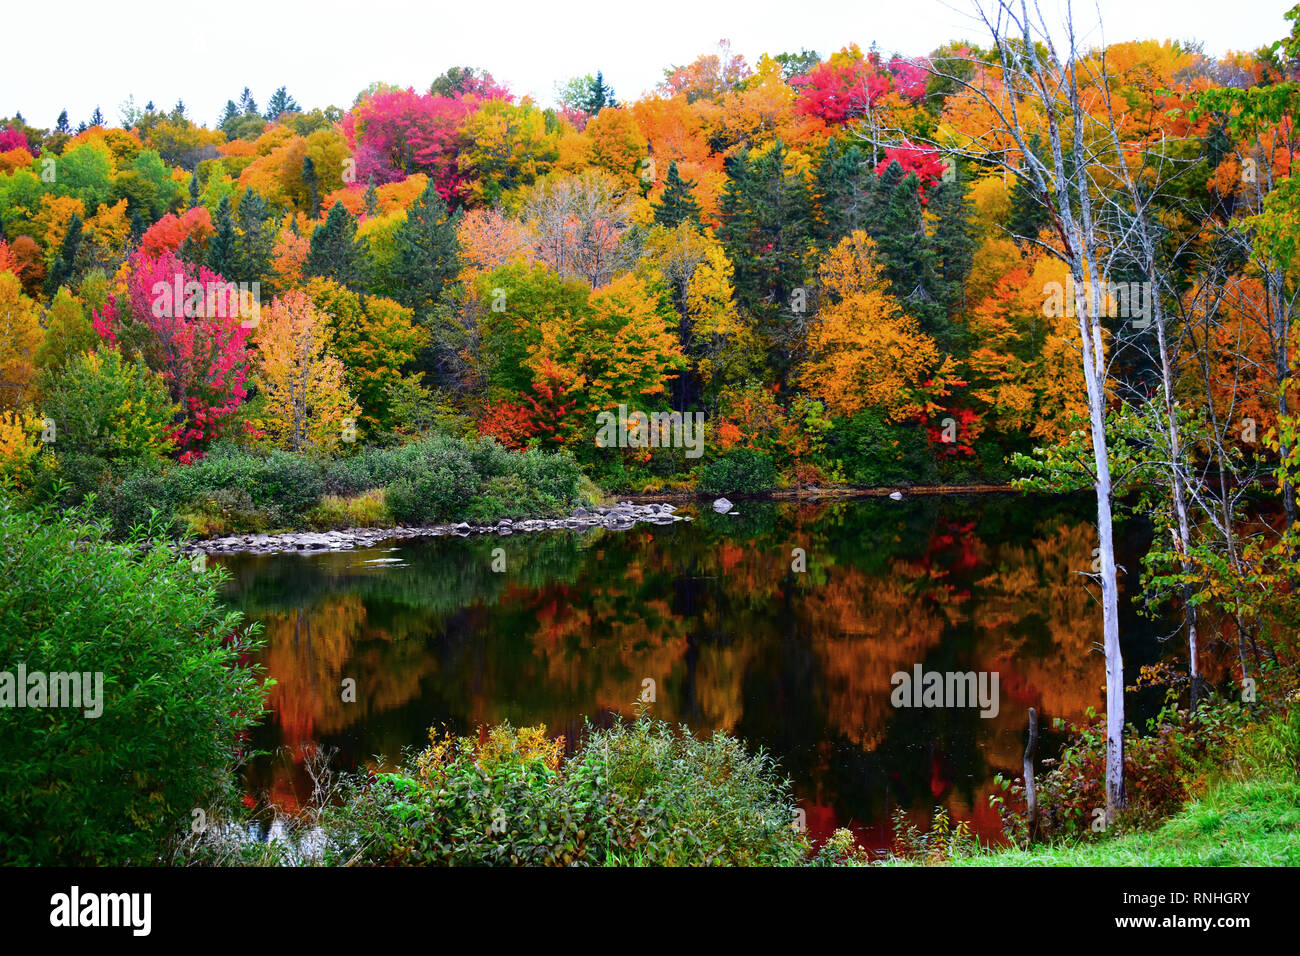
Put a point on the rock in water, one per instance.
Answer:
(722, 506)
(896, 495)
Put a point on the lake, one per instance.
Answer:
(716, 621)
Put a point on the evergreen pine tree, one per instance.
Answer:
(61, 269)
(222, 256)
(600, 95)
(426, 254)
(372, 197)
(334, 253)
(910, 262)
(97, 118)
(247, 104)
(255, 242)
(954, 247)
(310, 181)
(194, 190)
(766, 220)
(843, 193)
(62, 125)
(677, 205)
(281, 102)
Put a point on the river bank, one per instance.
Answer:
(620, 517)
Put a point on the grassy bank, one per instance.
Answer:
(1236, 823)
(1240, 805)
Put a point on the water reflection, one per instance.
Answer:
(732, 636)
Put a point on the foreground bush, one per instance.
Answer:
(638, 793)
(176, 698)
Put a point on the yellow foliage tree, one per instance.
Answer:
(865, 351)
(307, 402)
(20, 336)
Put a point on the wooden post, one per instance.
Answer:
(1031, 798)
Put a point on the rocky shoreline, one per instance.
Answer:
(620, 517)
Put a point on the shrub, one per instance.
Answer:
(1161, 770)
(176, 700)
(366, 510)
(874, 452)
(437, 479)
(640, 792)
(740, 471)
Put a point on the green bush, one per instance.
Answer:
(637, 793)
(738, 472)
(433, 480)
(176, 701)
(875, 452)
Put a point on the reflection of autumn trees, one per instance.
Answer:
(711, 611)
(865, 629)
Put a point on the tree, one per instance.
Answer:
(334, 251)
(766, 213)
(194, 340)
(255, 238)
(579, 224)
(312, 183)
(426, 256)
(281, 102)
(376, 340)
(20, 336)
(599, 95)
(1038, 90)
(222, 258)
(676, 205)
(509, 147)
(108, 407)
(865, 351)
(65, 262)
(68, 332)
(306, 396)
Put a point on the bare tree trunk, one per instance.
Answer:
(1031, 794)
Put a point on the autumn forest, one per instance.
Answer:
(465, 438)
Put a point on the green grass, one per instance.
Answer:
(1237, 823)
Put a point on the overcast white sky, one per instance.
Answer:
(79, 54)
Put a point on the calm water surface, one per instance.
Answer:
(734, 639)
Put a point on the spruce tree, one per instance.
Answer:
(896, 222)
(954, 247)
(426, 255)
(62, 125)
(600, 95)
(843, 193)
(281, 102)
(62, 268)
(334, 253)
(766, 222)
(677, 205)
(194, 190)
(310, 181)
(372, 197)
(255, 243)
(222, 258)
